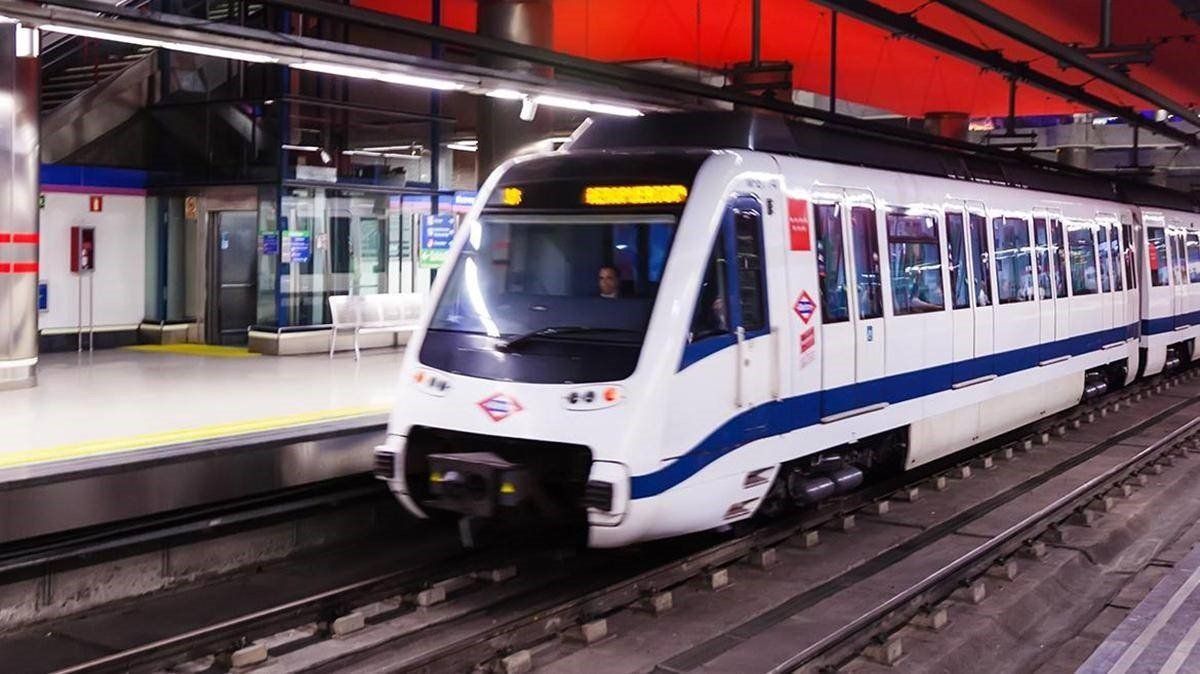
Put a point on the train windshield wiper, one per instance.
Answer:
(551, 331)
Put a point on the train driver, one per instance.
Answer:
(609, 281)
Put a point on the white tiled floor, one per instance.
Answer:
(118, 393)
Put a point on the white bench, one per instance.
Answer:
(368, 314)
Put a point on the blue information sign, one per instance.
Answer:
(437, 232)
(270, 243)
(297, 247)
(43, 296)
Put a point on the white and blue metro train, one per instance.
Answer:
(679, 321)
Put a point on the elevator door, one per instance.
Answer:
(233, 281)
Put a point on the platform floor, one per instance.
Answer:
(114, 401)
(1162, 633)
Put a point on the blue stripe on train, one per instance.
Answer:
(1155, 326)
(782, 416)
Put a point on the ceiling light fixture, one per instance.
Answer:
(506, 94)
(586, 106)
(377, 75)
(203, 50)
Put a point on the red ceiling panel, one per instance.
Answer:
(873, 67)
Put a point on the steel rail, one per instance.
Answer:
(987, 550)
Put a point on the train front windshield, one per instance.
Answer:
(555, 289)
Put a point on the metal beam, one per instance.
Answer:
(909, 26)
(1011, 27)
(628, 79)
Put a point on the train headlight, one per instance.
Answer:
(593, 398)
(431, 383)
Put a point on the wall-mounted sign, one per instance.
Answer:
(437, 232)
(43, 296)
(295, 247)
(95, 203)
(322, 174)
(269, 243)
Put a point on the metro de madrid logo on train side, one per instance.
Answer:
(499, 406)
(804, 307)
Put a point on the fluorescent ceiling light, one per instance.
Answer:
(203, 50)
(559, 139)
(463, 146)
(387, 148)
(506, 94)
(377, 75)
(586, 106)
(102, 35)
(301, 148)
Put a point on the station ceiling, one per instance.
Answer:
(874, 67)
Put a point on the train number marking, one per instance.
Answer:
(499, 406)
(804, 307)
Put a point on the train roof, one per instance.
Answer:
(780, 135)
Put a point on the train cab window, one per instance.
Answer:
(1156, 249)
(1102, 245)
(1114, 255)
(1193, 256)
(831, 263)
(868, 284)
(748, 231)
(980, 260)
(1060, 258)
(915, 259)
(1041, 239)
(1082, 246)
(960, 290)
(1014, 269)
(1128, 254)
(711, 315)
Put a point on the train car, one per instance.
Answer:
(651, 338)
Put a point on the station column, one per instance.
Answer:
(501, 130)
(19, 164)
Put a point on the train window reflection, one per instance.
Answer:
(1060, 258)
(1114, 254)
(523, 275)
(1014, 269)
(981, 260)
(1193, 256)
(1130, 260)
(960, 292)
(1082, 246)
(711, 315)
(831, 263)
(1042, 245)
(1160, 270)
(865, 237)
(1102, 241)
(914, 256)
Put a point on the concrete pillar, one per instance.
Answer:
(502, 133)
(19, 163)
(1079, 156)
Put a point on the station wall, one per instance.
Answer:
(118, 214)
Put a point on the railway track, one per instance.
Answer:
(509, 611)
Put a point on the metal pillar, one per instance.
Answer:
(501, 131)
(19, 163)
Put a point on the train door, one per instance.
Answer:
(867, 289)
(758, 362)
(1044, 268)
(979, 251)
(1179, 280)
(958, 262)
(1103, 272)
(1110, 258)
(1058, 265)
(837, 327)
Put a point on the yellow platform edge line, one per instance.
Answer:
(201, 350)
(132, 443)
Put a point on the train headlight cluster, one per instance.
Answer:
(593, 398)
(433, 384)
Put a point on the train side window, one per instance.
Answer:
(865, 238)
(1193, 256)
(1060, 257)
(981, 261)
(1156, 249)
(831, 263)
(960, 290)
(1014, 269)
(711, 315)
(1130, 260)
(1178, 263)
(1102, 242)
(1041, 240)
(1082, 246)
(748, 231)
(1114, 255)
(915, 258)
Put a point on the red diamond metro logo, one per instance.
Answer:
(499, 406)
(804, 307)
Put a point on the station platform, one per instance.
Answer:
(150, 428)
(1162, 633)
